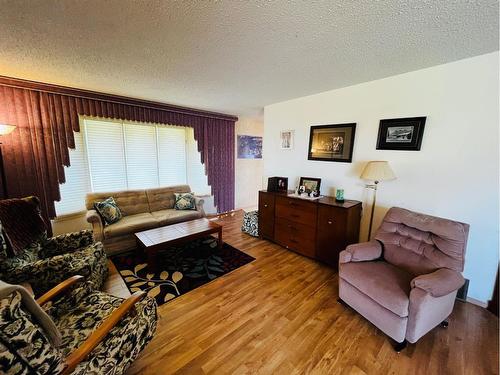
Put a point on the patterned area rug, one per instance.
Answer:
(181, 268)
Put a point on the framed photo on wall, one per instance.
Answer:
(332, 142)
(286, 139)
(401, 134)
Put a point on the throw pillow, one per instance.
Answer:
(185, 201)
(109, 211)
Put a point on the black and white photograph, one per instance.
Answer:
(286, 139)
(401, 134)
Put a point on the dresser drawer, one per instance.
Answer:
(295, 236)
(296, 210)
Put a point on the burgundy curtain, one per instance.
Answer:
(34, 155)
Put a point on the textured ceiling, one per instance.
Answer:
(235, 56)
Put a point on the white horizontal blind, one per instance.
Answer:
(77, 180)
(196, 177)
(142, 156)
(171, 155)
(112, 155)
(106, 155)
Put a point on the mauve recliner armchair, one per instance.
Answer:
(406, 280)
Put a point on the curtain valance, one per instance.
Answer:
(46, 116)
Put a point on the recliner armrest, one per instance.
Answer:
(439, 283)
(97, 225)
(199, 204)
(361, 252)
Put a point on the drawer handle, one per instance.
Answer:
(265, 205)
(330, 222)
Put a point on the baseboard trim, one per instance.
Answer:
(477, 302)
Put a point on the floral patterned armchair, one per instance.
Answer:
(97, 333)
(46, 262)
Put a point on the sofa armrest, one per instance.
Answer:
(97, 225)
(361, 252)
(439, 283)
(199, 205)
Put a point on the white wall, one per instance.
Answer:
(456, 173)
(248, 172)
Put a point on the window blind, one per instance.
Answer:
(112, 155)
(171, 155)
(77, 180)
(106, 155)
(141, 156)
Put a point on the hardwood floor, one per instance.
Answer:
(279, 315)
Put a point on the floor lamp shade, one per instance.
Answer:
(376, 171)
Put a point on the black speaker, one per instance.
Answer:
(462, 292)
(277, 184)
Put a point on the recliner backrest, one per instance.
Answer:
(422, 243)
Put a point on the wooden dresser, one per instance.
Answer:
(318, 229)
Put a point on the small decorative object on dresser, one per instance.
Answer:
(332, 142)
(277, 184)
(318, 228)
(339, 195)
(401, 134)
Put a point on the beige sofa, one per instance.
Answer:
(142, 210)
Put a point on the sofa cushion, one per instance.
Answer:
(173, 216)
(131, 202)
(382, 282)
(164, 198)
(131, 224)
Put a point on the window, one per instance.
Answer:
(112, 155)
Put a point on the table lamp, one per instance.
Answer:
(4, 130)
(376, 171)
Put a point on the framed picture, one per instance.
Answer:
(310, 183)
(332, 142)
(401, 134)
(286, 139)
(249, 147)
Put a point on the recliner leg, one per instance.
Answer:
(400, 346)
(444, 324)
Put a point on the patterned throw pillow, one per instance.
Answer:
(185, 201)
(108, 210)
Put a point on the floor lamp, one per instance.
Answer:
(376, 171)
(4, 130)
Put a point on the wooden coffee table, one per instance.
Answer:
(154, 240)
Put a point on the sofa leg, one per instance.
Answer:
(444, 324)
(400, 346)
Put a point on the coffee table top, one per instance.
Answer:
(175, 232)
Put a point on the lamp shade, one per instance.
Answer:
(378, 171)
(6, 129)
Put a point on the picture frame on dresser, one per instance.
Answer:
(332, 142)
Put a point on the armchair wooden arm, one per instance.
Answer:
(59, 289)
(100, 333)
